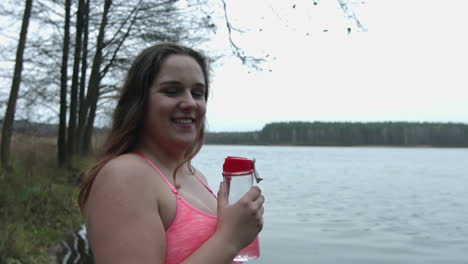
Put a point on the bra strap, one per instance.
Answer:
(204, 184)
(159, 171)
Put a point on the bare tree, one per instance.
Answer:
(10, 112)
(61, 139)
(72, 122)
(90, 102)
(84, 65)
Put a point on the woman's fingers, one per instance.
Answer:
(260, 217)
(253, 199)
(253, 194)
(259, 202)
(262, 209)
(260, 212)
(245, 216)
(222, 196)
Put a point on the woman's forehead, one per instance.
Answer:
(182, 68)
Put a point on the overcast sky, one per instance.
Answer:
(409, 64)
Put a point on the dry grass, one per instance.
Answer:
(37, 201)
(32, 152)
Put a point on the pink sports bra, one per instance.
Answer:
(190, 228)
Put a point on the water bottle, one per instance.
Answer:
(239, 174)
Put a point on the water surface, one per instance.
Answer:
(362, 205)
(357, 204)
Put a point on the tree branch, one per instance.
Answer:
(122, 40)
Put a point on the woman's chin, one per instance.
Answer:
(184, 141)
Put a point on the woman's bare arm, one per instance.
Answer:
(123, 222)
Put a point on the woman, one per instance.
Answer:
(143, 201)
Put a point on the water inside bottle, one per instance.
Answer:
(237, 186)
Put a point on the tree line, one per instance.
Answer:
(350, 134)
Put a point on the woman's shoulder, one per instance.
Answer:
(126, 166)
(124, 162)
(126, 174)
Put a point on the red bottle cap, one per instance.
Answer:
(237, 164)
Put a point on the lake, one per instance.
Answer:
(357, 204)
(362, 205)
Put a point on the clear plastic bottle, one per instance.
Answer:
(239, 174)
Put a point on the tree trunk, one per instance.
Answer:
(89, 127)
(84, 67)
(61, 139)
(71, 145)
(94, 82)
(10, 112)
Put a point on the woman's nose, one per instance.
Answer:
(188, 102)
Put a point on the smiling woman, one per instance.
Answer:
(177, 103)
(134, 212)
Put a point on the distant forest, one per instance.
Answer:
(349, 134)
(319, 134)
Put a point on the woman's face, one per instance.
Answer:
(177, 105)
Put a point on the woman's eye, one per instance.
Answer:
(170, 91)
(198, 94)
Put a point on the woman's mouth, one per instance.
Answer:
(184, 122)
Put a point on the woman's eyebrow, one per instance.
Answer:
(170, 83)
(164, 83)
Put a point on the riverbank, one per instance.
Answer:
(38, 204)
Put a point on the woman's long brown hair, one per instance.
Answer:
(131, 108)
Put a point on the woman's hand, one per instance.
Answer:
(241, 222)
